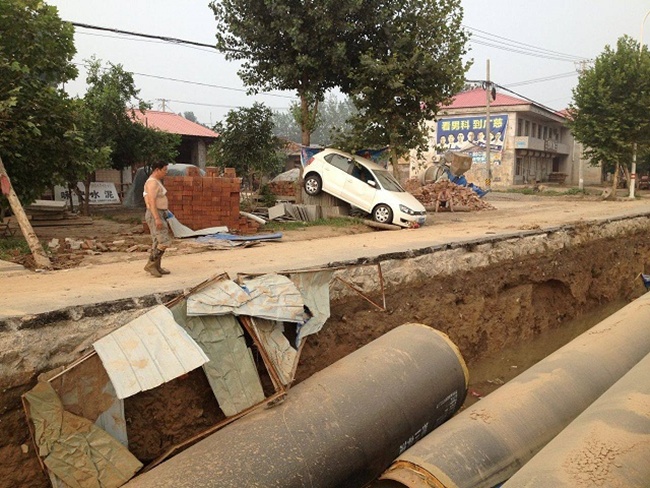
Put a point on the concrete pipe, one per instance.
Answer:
(487, 443)
(341, 427)
(607, 445)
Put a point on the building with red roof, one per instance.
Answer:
(529, 142)
(195, 138)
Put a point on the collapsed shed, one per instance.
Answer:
(96, 421)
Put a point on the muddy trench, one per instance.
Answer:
(484, 310)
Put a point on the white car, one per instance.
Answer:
(364, 184)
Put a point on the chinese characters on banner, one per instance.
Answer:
(100, 193)
(453, 134)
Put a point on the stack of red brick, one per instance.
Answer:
(200, 202)
(283, 188)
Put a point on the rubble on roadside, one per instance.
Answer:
(460, 197)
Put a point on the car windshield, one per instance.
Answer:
(388, 181)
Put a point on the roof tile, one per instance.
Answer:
(174, 124)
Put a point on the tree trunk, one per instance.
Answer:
(305, 133)
(40, 258)
(615, 182)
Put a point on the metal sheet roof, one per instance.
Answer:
(270, 296)
(148, 351)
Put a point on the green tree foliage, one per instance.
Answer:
(412, 66)
(191, 117)
(331, 121)
(308, 47)
(36, 116)
(610, 107)
(246, 143)
(110, 136)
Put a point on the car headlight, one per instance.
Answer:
(406, 210)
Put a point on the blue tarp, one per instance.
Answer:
(233, 237)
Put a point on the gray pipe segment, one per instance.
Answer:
(487, 443)
(341, 427)
(607, 445)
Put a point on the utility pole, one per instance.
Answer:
(488, 96)
(163, 102)
(40, 258)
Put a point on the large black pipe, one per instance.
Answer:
(487, 443)
(607, 445)
(341, 427)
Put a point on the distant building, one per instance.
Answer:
(195, 138)
(529, 142)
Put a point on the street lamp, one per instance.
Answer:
(633, 172)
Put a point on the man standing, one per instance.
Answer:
(155, 198)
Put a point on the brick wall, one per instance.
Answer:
(284, 188)
(200, 202)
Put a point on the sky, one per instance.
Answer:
(534, 48)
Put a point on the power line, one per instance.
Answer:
(216, 105)
(173, 40)
(198, 83)
(211, 49)
(539, 80)
(520, 47)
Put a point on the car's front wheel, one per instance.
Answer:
(383, 214)
(313, 184)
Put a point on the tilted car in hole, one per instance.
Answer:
(363, 184)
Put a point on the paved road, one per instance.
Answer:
(25, 292)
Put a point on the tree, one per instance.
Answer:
(332, 120)
(191, 117)
(36, 116)
(246, 143)
(110, 135)
(286, 45)
(609, 111)
(412, 67)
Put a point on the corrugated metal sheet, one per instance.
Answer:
(270, 296)
(315, 289)
(173, 123)
(277, 346)
(149, 351)
(231, 371)
(477, 98)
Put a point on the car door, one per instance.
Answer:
(335, 173)
(357, 191)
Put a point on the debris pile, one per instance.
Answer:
(453, 196)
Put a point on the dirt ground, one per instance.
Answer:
(119, 235)
(503, 320)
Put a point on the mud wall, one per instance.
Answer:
(485, 294)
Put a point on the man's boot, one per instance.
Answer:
(160, 269)
(152, 264)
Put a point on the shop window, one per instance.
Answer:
(519, 167)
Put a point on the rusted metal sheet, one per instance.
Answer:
(147, 352)
(341, 427)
